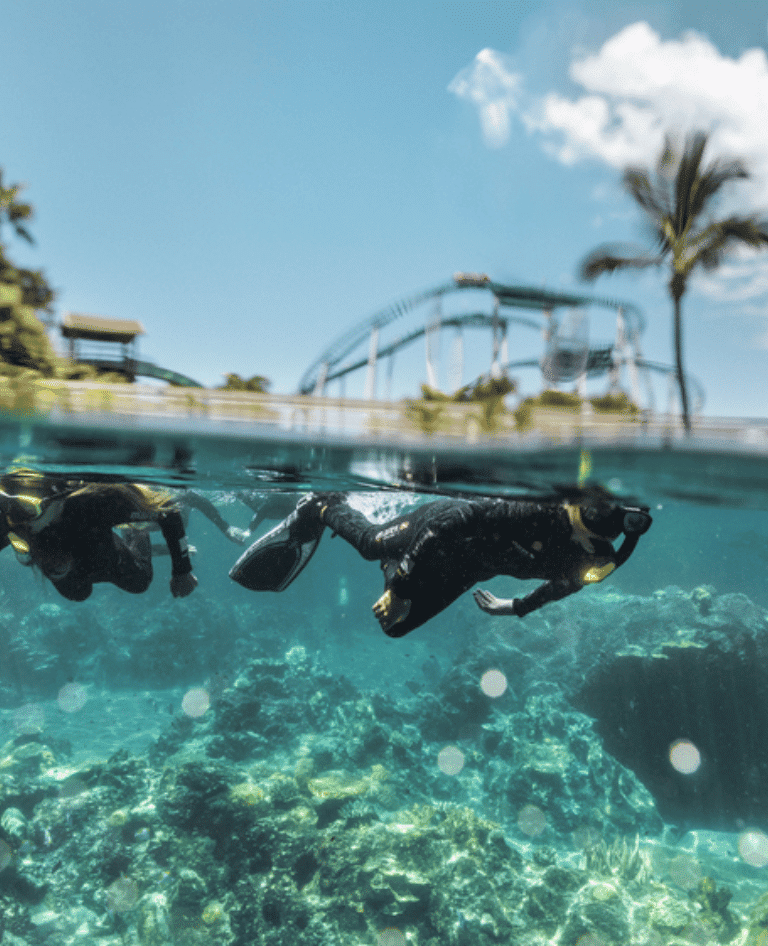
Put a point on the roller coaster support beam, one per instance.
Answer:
(373, 351)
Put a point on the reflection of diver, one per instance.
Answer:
(66, 529)
(438, 551)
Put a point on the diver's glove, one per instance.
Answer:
(183, 585)
(497, 606)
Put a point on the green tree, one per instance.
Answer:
(24, 344)
(16, 213)
(677, 200)
(257, 384)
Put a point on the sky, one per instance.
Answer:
(251, 178)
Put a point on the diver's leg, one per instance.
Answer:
(276, 505)
(386, 541)
(374, 542)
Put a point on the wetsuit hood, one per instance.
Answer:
(605, 520)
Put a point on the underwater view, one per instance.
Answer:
(226, 762)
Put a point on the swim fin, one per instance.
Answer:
(277, 558)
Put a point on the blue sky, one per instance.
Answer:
(249, 179)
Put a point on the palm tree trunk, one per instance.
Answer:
(677, 298)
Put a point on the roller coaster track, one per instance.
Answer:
(146, 369)
(142, 369)
(523, 297)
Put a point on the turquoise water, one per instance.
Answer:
(249, 768)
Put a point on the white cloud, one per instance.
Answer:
(639, 85)
(490, 85)
(635, 88)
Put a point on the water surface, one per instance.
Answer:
(270, 768)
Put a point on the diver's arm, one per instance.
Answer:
(489, 603)
(519, 607)
(196, 501)
(172, 527)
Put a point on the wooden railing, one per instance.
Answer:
(129, 405)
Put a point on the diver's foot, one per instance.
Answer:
(308, 515)
(390, 610)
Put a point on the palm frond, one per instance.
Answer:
(714, 242)
(685, 180)
(23, 232)
(711, 180)
(651, 197)
(655, 233)
(667, 159)
(612, 256)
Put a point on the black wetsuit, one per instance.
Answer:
(434, 554)
(83, 536)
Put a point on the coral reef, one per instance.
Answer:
(301, 809)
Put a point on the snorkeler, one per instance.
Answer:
(188, 499)
(435, 553)
(66, 529)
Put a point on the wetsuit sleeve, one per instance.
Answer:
(562, 587)
(172, 526)
(549, 591)
(206, 507)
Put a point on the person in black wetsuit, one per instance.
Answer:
(435, 553)
(67, 529)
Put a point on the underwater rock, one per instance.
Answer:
(701, 687)
(655, 671)
(601, 911)
(758, 923)
(548, 757)
(45, 647)
(272, 702)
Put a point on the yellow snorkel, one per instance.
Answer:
(581, 533)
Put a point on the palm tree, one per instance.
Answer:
(34, 286)
(14, 211)
(676, 200)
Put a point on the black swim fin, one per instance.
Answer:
(277, 558)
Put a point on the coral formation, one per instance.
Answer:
(301, 810)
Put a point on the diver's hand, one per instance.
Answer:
(234, 534)
(390, 610)
(183, 585)
(492, 605)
